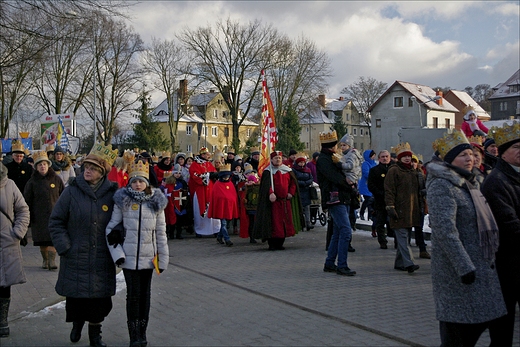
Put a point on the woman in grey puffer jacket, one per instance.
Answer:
(141, 211)
(465, 284)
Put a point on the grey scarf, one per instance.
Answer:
(487, 226)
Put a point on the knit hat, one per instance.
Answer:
(58, 149)
(300, 157)
(292, 152)
(348, 139)
(177, 168)
(237, 158)
(488, 142)
(315, 155)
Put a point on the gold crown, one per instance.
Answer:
(449, 141)
(226, 167)
(104, 152)
(479, 140)
(138, 169)
(167, 174)
(166, 155)
(231, 150)
(506, 133)
(402, 147)
(155, 158)
(203, 150)
(17, 146)
(254, 149)
(49, 148)
(40, 156)
(328, 137)
(128, 156)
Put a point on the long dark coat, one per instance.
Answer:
(456, 251)
(402, 191)
(77, 226)
(41, 194)
(376, 184)
(331, 178)
(305, 180)
(19, 173)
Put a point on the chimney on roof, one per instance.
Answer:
(439, 94)
(182, 93)
(340, 98)
(212, 90)
(321, 100)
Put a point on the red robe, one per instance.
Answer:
(197, 187)
(224, 201)
(169, 212)
(119, 176)
(281, 209)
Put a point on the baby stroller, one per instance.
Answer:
(316, 210)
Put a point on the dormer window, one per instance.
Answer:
(515, 88)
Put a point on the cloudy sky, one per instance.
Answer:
(436, 43)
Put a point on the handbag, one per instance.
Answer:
(23, 240)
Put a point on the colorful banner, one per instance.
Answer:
(269, 133)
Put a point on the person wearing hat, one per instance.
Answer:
(224, 204)
(290, 161)
(275, 219)
(466, 288)
(164, 164)
(331, 178)
(230, 156)
(41, 194)
(178, 213)
(304, 177)
(254, 158)
(50, 151)
(403, 205)
(145, 156)
(87, 275)
(140, 208)
(471, 125)
(182, 160)
(19, 170)
(418, 230)
(14, 220)
(202, 177)
(502, 191)
(490, 152)
(62, 165)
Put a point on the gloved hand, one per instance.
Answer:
(468, 278)
(390, 210)
(120, 261)
(116, 235)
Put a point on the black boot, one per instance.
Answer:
(133, 331)
(4, 311)
(178, 234)
(94, 335)
(75, 333)
(143, 324)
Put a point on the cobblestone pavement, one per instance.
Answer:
(245, 295)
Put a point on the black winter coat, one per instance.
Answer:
(331, 178)
(304, 182)
(77, 226)
(376, 185)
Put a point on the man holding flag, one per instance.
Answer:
(278, 186)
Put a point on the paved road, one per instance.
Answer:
(212, 295)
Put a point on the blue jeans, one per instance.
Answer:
(223, 233)
(342, 233)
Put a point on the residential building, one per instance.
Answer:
(460, 100)
(410, 112)
(320, 115)
(505, 102)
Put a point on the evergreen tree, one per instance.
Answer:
(147, 133)
(339, 125)
(289, 132)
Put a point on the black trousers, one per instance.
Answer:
(5, 292)
(138, 289)
(461, 335)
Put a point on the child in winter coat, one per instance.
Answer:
(141, 247)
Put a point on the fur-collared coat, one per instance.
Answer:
(41, 194)
(12, 203)
(77, 226)
(145, 228)
(456, 251)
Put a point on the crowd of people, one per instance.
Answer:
(106, 210)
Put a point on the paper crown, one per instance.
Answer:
(231, 151)
(189, 155)
(155, 158)
(203, 150)
(17, 146)
(226, 167)
(328, 137)
(218, 155)
(254, 150)
(506, 133)
(167, 174)
(449, 141)
(40, 156)
(104, 152)
(138, 169)
(128, 156)
(49, 148)
(166, 155)
(401, 148)
(479, 140)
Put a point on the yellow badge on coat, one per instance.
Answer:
(383, 175)
(53, 185)
(104, 208)
(23, 172)
(135, 207)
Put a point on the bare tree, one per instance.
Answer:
(363, 93)
(299, 71)
(230, 57)
(169, 62)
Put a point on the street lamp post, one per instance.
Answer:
(419, 104)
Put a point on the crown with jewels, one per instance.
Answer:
(226, 167)
(17, 146)
(402, 147)
(479, 140)
(106, 153)
(449, 141)
(128, 156)
(506, 133)
(40, 156)
(328, 137)
(138, 169)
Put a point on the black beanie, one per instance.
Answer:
(329, 144)
(455, 151)
(503, 147)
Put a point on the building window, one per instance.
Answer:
(354, 132)
(215, 113)
(362, 146)
(226, 132)
(347, 117)
(435, 122)
(188, 130)
(410, 102)
(360, 132)
(505, 105)
(214, 148)
(398, 101)
(188, 148)
(214, 131)
(306, 145)
(248, 132)
(378, 123)
(447, 122)
(204, 131)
